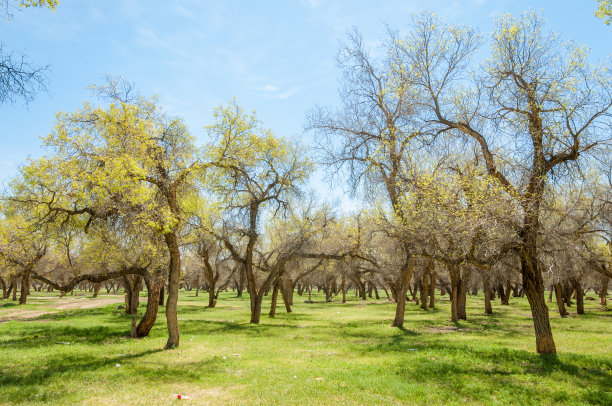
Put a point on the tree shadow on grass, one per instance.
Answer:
(520, 373)
(19, 388)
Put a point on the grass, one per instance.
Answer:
(323, 353)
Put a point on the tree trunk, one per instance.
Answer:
(504, 295)
(579, 295)
(286, 286)
(432, 289)
(486, 287)
(289, 292)
(550, 294)
(132, 286)
(198, 283)
(256, 301)
(155, 286)
(567, 293)
(455, 285)
(212, 298)
(404, 281)
(274, 297)
(362, 289)
(12, 288)
(240, 286)
(424, 290)
(174, 276)
(343, 287)
(560, 303)
(602, 294)
(534, 289)
(25, 287)
(463, 290)
(3, 284)
(97, 289)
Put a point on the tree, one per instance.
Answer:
(254, 171)
(127, 159)
(20, 78)
(370, 137)
(537, 93)
(604, 11)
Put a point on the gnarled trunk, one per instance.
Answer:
(154, 288)
(534, 289)
(132, 285)
(602, 294)
(404, 281)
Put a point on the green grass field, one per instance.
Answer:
(322, 354)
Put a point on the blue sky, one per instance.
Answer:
(277, 57)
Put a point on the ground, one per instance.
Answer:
(72, 351)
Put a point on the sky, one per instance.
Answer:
(275, 57)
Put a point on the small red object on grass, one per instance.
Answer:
(178, 396)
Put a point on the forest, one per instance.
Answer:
(482, 163)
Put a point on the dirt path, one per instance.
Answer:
(55, 305)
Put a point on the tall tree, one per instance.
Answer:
(127, 157)
(369, 138)
(255, 172)
(538, 108)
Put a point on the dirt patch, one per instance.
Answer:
(59, 304)
(84, 303)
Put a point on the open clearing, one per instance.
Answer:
(323, 353)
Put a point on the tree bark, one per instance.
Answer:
(256, 302)
(240, 286)
(534, 289)
(579, 295)
(286, 286)
(486, 287)
(602, 294)
(25, 286)
(162, 294)
(432, 289)
(154, 288)
(96, 289)
(463, 290)
(4, 293)
(503, 295)
(274, 297)
(174, 276)
(560, 303)
(424, 290)
(404, 281)
(455, 285)
(132, 285)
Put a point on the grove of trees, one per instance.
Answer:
(477, 173)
